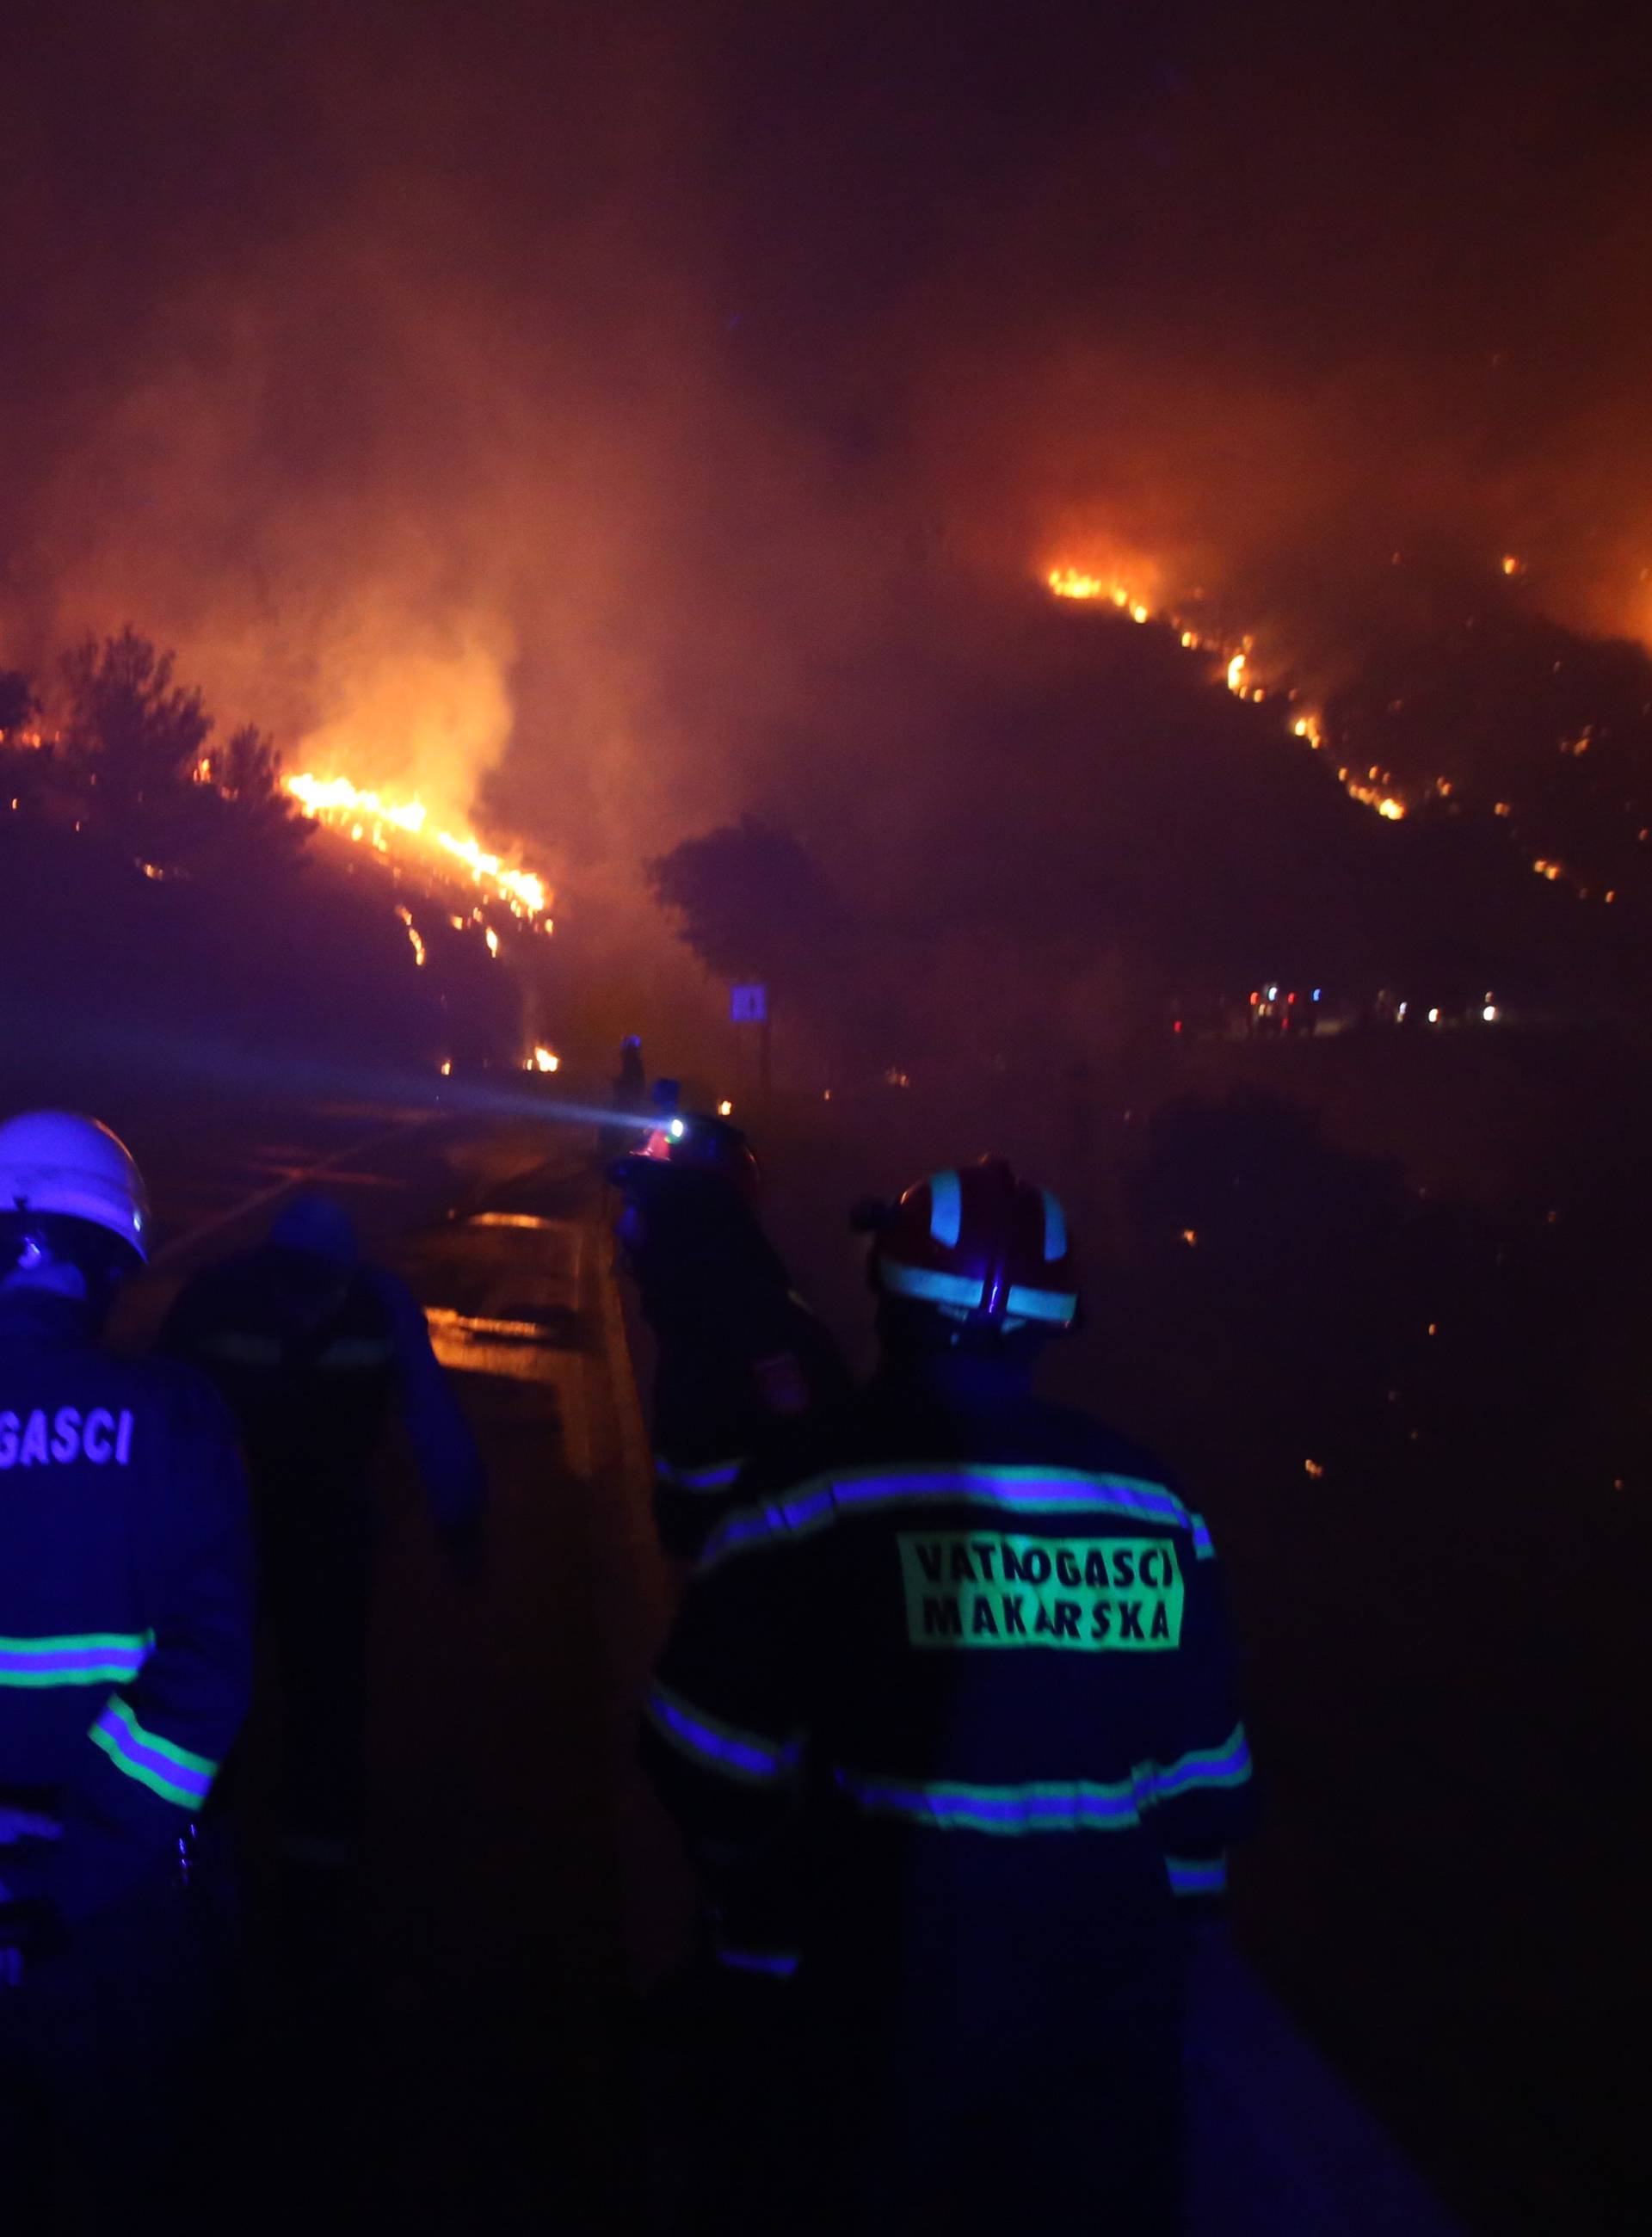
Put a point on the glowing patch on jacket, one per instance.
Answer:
(1096, 1595)
(40, 1440)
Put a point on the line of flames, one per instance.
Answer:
(1375, 788)
(1073, 583)
(369, 818)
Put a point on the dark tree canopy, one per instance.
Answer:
(131, 731)
(753, 901)
(253, 814)
(17, 701)
(137, 742)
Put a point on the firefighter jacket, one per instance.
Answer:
(739, 1357)
(959, 1660)
(125, 1603)
(312, 1360)
(722, 1387)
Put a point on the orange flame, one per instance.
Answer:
(341, 805)
(417, 944)
(1078, 583)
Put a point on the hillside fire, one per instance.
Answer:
(395, 827)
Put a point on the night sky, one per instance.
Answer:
(656, 406)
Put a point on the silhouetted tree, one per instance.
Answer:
(252, 814)
(134, 736)
(17, 701)
(753, 903)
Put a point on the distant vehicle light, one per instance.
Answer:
(1434, 1017)
(1400, 1013)
(1490, 1014)
(1273, 993)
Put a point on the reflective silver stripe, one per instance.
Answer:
(242, 1349)
(819, 1501)
(946, 1209)
(1197, 1875)
(175, 1773)
(1055, 1228)
(1042, 1304)
(79, 1658)
(716, 1475)
(357, 1351)
(935, 1288)
(1058, 1806)
(710, 1742)
(779, 1964)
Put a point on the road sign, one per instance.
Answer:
(749, 1006)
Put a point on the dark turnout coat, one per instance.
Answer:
(125, 1605)
(313, 1362)
(740, 1356)
(949, 1715)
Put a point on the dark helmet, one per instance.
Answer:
(315, 1227)
(979, 1247)
(708, 1148)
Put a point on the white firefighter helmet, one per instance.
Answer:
(66, 1167)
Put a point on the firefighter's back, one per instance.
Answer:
(1003, 1602)
(953, 1679)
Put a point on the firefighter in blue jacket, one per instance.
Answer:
(738, 1354)
(314, 1348)
(948, 1720)
(125, 1670)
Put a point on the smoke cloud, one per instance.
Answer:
(612, 423)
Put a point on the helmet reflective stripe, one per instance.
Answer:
(946, 1210)
(1054, 1228)
(935, 1289)
(1043, 1304)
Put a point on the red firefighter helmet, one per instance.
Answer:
(982, 1248)
(710, 1147)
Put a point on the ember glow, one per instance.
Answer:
(414, 941)
(1239, 675)
(391, 825)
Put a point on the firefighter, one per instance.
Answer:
(125, 1669)
(739, 1354)
(631, 1082)
(314, 1348)
(630, 1085)
(947, 1717)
